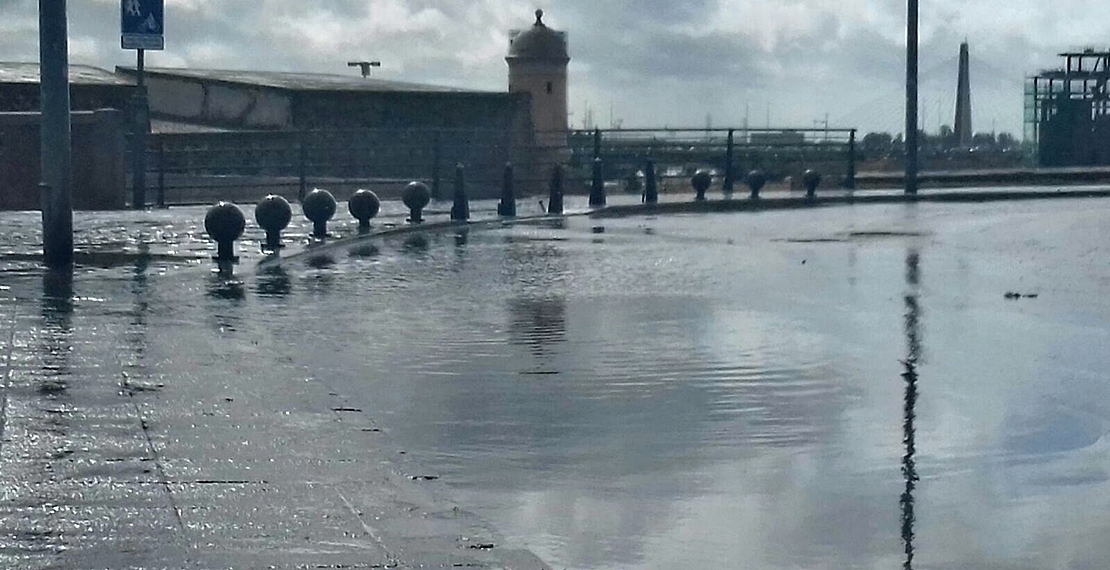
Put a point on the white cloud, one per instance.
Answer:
(655, 61)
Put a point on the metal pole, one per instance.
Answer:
(56, 157)
(435, 167)
(302, 165)
(728, 164)
(162, 172)
(911, 98)
(850, 180)
(139, 136)
(597, 143)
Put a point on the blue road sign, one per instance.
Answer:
(141, 24)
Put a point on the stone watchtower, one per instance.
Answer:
(538, 65)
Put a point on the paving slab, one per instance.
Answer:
(157, 426)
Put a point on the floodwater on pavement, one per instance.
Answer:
(848, 387)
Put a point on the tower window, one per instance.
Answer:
(549, 87)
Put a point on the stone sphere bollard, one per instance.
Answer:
(225, 223)
(811, 179)
(319, 206)
(364, 205)
(756, 180)
(273, 213)
(416, 196)
(701, 182)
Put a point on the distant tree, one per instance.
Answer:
(948, 139)
(876, 145)
(983, 139)
(1006, 141)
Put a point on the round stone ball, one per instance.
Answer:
(273, 213)
(318, 206)
(224, 222)
(811, 179)
(416, 195)
(364, 205)
(756, 179)
(701, 180)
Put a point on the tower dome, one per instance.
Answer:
(538, 61)
(539, 43)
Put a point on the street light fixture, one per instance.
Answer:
(364, 66)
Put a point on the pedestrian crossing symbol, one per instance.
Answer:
(141, 24)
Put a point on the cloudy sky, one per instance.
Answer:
(643, 62)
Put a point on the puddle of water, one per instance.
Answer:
(701, 390)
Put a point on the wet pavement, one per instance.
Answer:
(813, 388)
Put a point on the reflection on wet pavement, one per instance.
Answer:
(734, 390)
(913, 352)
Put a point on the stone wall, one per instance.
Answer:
(98, 160)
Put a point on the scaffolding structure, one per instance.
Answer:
(1067, 111)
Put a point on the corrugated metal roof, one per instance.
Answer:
(299, 81)
(28, 72)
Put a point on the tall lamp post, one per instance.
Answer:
(56, 153)
(911, 98)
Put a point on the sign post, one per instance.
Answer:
(142, 23)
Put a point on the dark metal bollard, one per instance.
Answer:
(555, 193)
(460, 209)
(273, 213)
(225, 223)
(507, 207)
(597, 187)
(319, 206)
(811, 179)
(701, 182)
(756, 179)
(416, 196)
(364, 205)
(651, 185)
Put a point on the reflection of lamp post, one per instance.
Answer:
(364, 66)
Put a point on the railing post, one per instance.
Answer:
(728, 164)
(301, 166)
(850, 180)
(161, 172)
(435, 168)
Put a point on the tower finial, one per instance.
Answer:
(539, 17)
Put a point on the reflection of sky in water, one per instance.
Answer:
(725, 391)
(687, 391)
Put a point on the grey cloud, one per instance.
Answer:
(644, 56)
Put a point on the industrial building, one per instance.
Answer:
(1067, 111)
(100, 101)
(254, 123)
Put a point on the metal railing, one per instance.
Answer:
(243, 165)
